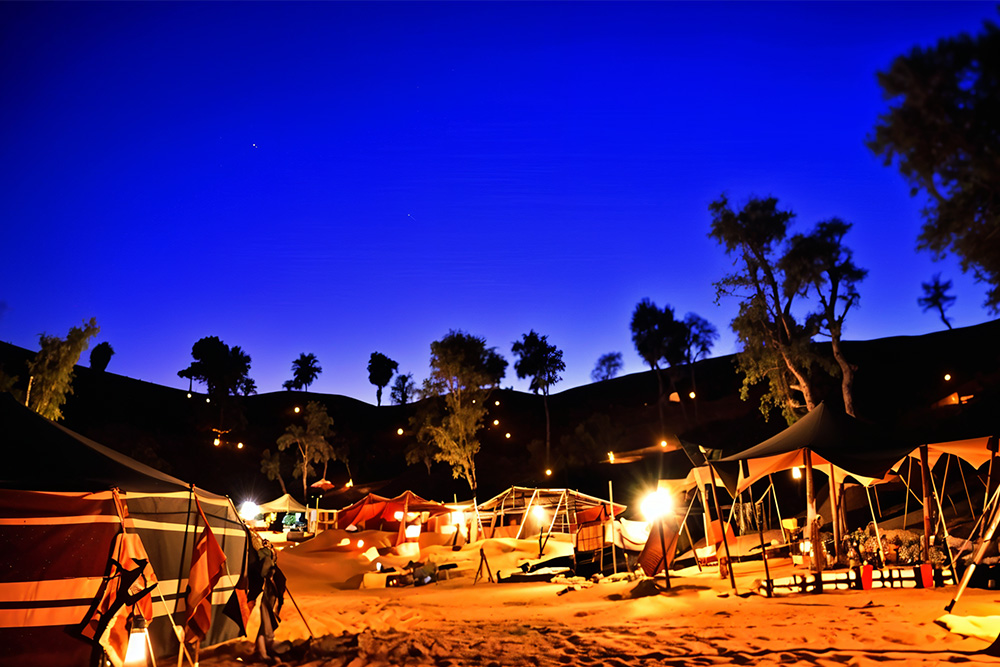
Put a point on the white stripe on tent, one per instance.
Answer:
(145, 524)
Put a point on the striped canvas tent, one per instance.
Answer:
(68, 507)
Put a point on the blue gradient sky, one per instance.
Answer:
(341, 178)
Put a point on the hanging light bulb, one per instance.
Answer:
(137, 653)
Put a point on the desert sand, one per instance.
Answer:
(699, 620)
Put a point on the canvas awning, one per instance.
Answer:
(283, 504)
(386, 509)
(975, 451)
(854, 449)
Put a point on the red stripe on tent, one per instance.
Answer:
(207, 563)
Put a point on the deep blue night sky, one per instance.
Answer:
(340, 178)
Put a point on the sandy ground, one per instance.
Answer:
(698, 621)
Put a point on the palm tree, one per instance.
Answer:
(270, 465)
(936, 296)
(305, 369)
(380, 370)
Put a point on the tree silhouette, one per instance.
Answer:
(51, 371)
(775, 346)
(464, 372)
(224, 370)
(100, 356)
(820, 263)
(543, 363)
(402, 389)
(310, 441)
(380, 370)
(942, 129)
(305, 370)
(659, 339)
(270, 465)
(608, 366)
(936, 297)
(700, 336)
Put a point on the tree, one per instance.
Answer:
(464, 372)
(608, 366)
(380, 370)
(402, 389)
(820, 263)
(775, 347)
(224, 371)
(100, 356)
(310, 442)
(270, 465)
(51, 371)
(942, 130)
(543, 363)
(659, 339)
(936, 296)
(305, 370)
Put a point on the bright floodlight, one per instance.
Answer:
(796, 473)
(539, 512)
(249, 510)
(657, 504)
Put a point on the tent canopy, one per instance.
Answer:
(386, 509)
(283, 504)
(41, 455)
(854, 448)
(974, 450)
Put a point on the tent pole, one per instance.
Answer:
(989, 480)
(972, 510)
(878, 536)
(944, 483)
(527, 511)
(835, 510)
(722, 528)
(877, 503)
(978, 556)
(684, 526)
(928, 508)
(774, 496)
(906, 503)
(944, 527)
(614, 553)
(811, 527)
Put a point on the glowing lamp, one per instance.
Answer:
(249, 510)
(796, 473)
(361, 544)
(657, 504)
(349, 484)
(507, 436)
(496, 403)
(137, 653)
(539, 512)
(548, 472)
(297, 409)
(611, 457)
(217, 442)
(208, 400)
(239, 445)
(947, 377)
(691, 395)
(496, 422)
(399, 431)
(189, 394)
(663, 443)
(398, 516)
(412, 532)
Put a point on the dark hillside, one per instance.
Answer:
(898, 381)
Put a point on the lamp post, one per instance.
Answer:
(655, 507)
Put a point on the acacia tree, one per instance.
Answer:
(775, 346)
(936, 297)
(942, 130)
(380, 370)
(51, 371)
(820, 263)
(270, 465)
(100, 356)
(305, 370)
(310, 442)
(543, 363)
(608, 366)
(402, 389)
(659, 339)
(463, 372)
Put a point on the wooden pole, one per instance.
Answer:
(836, 514)
(967, 494)
(925, 481)
(614, 554)
(811, 524)
(906, 503)
(722, 527)
(878, 536)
